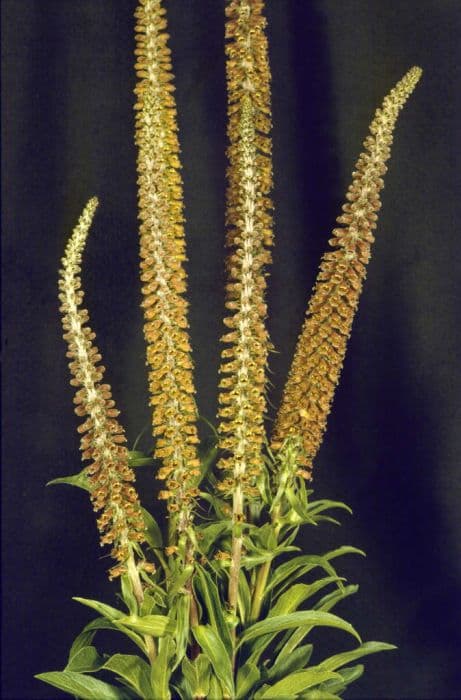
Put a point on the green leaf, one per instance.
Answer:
(153, 534)
(128, 594)
(82, 640)
(318, 694)
(154, 625)
(215, 650)
(316, 507)
(136, 458)
(179, 580)
(247, 677)
(102, 623)
(84, 687)
(210, 534)
(329, 601)
(296, 683)
(216, 692)
(286, 573)
(105, 610)
(197, 674)
(134, 670)
(311, 618)
(86, 660)
(334, 662)
(285, 665)
(80, 480)
(161, 669)
(209, 594)
(291, 640)
(244, 597)
(297, 594)
(181, 612)
(347, 676)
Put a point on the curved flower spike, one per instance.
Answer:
(103, 441)
(321, 347)
(162, 271)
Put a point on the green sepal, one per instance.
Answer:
(84, 687)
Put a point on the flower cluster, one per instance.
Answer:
(162, 250)
(322, 343)
(249, 233)
(103, 441)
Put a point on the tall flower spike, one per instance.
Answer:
(162, 250)
(103, 441)
(321, 347)
(249, 233)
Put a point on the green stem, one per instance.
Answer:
(263, 573)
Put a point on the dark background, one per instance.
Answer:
(392, 448)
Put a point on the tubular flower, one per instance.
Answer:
(103, 440)
(321, 347)
(162, 250)
(249, 221)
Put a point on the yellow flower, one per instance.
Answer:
(162, 256)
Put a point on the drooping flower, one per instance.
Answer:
(162, 250)
(321, 346)
(103, 440)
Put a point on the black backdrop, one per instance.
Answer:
(392, 448)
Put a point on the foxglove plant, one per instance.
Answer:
(217, 608)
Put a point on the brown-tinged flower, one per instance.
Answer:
(162, 250)
(321, 347)
(103, 441)
(249, 233)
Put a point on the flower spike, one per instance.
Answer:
(321, 347)
(103, 440)
(249, 233)
(162, 250)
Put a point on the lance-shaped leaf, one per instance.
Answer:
(162, 250)
(321, 347)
